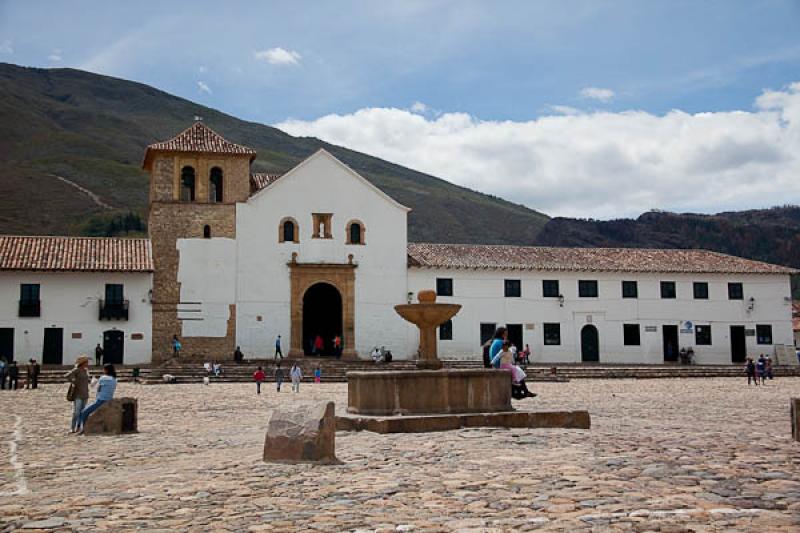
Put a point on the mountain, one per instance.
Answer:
(771, 235)
(71, 146)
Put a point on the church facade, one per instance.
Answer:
(239, 258)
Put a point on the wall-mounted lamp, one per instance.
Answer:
(410, 297)
(561, 300)
(751, 303)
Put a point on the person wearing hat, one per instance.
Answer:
(79, 389)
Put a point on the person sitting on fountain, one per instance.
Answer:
(505, 360)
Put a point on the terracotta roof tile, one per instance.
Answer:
(89, 254)
(260, 180)
(584, 259)
(198, 138)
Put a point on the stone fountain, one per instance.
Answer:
(432, 398)
(427, 315)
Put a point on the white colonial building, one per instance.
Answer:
(62, 296)
(238, 259)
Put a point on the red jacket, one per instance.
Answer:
(259, 375)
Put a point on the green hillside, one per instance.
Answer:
(92, 130)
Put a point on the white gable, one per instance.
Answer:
(323, 170)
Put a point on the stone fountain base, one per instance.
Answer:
(428, 423)
(428, 392)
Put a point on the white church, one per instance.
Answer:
(236, 259)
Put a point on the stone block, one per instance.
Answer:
(794, 405)
(301, 433)
(116, 417)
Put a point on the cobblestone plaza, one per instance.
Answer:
(662, 455)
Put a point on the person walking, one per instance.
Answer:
(105, 392)
(13, 376)
(78, 392)
(98, 355)
(278, 352)
(317, 374)
(3, 372)
(750, 370)
(337, 346)
(296, 374)
(37, 369)
(761, 369)
(176, 347)
(318, 345)
(526, 355)
(769, 367)
(238, 356)
(278, 376)
(259, 377)
(28, 373)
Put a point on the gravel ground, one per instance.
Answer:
(662, 455)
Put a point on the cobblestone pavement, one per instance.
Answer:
(662, 455)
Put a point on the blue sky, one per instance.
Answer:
(296, 63)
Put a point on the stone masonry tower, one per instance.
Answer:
(196, 178)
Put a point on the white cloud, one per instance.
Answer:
(597, 93)
(203, 87)
(55, 57)
(6, 48)
(564, 110)
(600, 164)
(418, 107)
(202, 69)
(278, 56)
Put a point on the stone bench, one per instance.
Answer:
(115, 417)
(794, 407)
(301, 433)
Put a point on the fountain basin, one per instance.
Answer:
(428, 391)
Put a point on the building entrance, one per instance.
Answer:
(322, 318)
(590, 344)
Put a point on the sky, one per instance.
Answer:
(595, 109)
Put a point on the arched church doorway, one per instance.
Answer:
(590, 344)
(322, 316)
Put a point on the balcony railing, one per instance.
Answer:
(113, 309)
(30, 308)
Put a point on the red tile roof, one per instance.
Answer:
(260, 180)
(86, 254)
(198, 138)
(584, 259)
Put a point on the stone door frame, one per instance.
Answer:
(343, 277)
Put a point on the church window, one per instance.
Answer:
(206, 231)
(215, 185)
(187, 184)
(288, 231)
(355, 232)
(322, 226)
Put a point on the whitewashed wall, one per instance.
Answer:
(320, 184)
(70, 301)
(482, 295)
(207, 277)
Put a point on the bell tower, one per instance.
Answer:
(196, 179)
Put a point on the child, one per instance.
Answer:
(278, 376)
(750, 370)
(259, 377)
(317, 374)
(296, 374)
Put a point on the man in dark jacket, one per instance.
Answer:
(37, 369)
(98, 355)
(13, 375)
